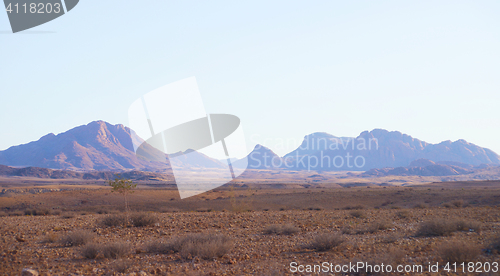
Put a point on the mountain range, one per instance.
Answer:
(100, 146)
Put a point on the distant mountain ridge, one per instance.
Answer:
(101, 146)
(379, 149)
(95, 146)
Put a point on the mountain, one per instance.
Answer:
(379, 149)
(66, 174)
(104, 147)
(425, 167)
(260, 158)
(95, 146)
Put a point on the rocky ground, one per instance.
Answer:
(33, 241)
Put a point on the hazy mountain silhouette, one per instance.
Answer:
(105, 147)
(96, 146)
(379, 149)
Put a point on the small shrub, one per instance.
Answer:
(68, 215)
(403, 214)
(459, 252)
(421, 206)
(121, 266)
(467, 225)
(172, 246)
(447, 205)
(16, 213)
(278, 229)
(114, 220)
(205, 246)
(143, 219)
(50, 238)
(37, 212)
(378, 225)
(458, 203)
(434, 228)
(116, 250)
(76, 238)
(102, 211)
(390, 238)
(90, 251)
(357, 214)
(325, 242)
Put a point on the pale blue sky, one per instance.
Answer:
(286, 68)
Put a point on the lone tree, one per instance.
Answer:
(123, 186)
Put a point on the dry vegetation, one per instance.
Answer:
(174, 237)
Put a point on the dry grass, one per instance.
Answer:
(91, 250)
(76, 238)
(205, 246)
(378, 225)
(114, 220)
(50, 238)
(68, 215)
(121, 266)
(440, 227)
(37, 212)
(116, 250)
(278, 229)
(326, 241)
(143, 219)
(357, 214)
(435, 228)
(459, 252)
(421, 206)
(403, 214)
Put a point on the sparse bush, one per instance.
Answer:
(357, 214)
(326, 241)
(143, 219)
(68, 215)
(459, 252)
(172, 246)
(114, 220)
(434, 228)
(76, 238)
(467, 225)
(102, 211)
(116, 250)
(403, 214)
(37, 212)
(421, 206)
(15, 213)
(378, 225)
(357, 207)
(121, 266)
(50, 238)
(205, 246)
(447, 205)
(91, 250)
(458, 203)
(389, 238)
(278, 229)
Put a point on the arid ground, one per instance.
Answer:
(247, 229)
